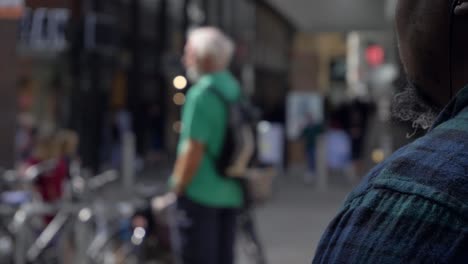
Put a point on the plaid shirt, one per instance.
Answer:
(412, 208)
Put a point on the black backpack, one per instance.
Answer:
(239, 144)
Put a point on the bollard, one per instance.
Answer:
(321, 164)
(82, 238)
(128, 160)
(20, 247)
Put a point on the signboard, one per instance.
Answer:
(302, 106)
(270, 143)
(11, 9)
(43, 29)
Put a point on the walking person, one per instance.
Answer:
(311, 132)
(50, 184)
(337, 147)
(207, 202)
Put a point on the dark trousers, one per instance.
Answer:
(204, 235)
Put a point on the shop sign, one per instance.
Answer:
(43, 29)
(11, 9)
(300, 108)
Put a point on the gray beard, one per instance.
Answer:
(410, 106)
(193, 74)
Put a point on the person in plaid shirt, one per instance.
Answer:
(413, 207)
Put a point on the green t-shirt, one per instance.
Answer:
(204, 120)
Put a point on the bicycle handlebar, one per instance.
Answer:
(102, 179)
(34, 171)
(31, 173)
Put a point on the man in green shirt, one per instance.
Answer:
(207, 201)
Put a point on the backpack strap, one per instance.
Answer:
(220, 96)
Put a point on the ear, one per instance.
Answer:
(462, 8)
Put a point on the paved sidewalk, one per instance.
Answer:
(292, 223)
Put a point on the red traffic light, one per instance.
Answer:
(375, 55)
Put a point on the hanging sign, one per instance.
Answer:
(43, 29)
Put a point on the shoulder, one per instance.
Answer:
(422, 188)
(200, 99)
(397, 226)
(199, 91)
(434, 166)
(195, 96)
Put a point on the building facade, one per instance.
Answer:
(83, 61)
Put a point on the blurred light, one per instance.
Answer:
(354, 42)
(179, 99)
(378, 155)
(264, 127)
(84, 215)
(139, 232)
(384, 75)
(180, 82)
(20, 216)
(177, 127)
(375, 55)
(161, 202)
(78, 184)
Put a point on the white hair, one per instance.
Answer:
(210, 42)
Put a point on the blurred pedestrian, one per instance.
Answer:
(337, 147)
(207, 201)
(50, 184)
(358, 112)
(412, 208)
(311, 132)
(67, 142)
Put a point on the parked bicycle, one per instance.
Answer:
(17, 194)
